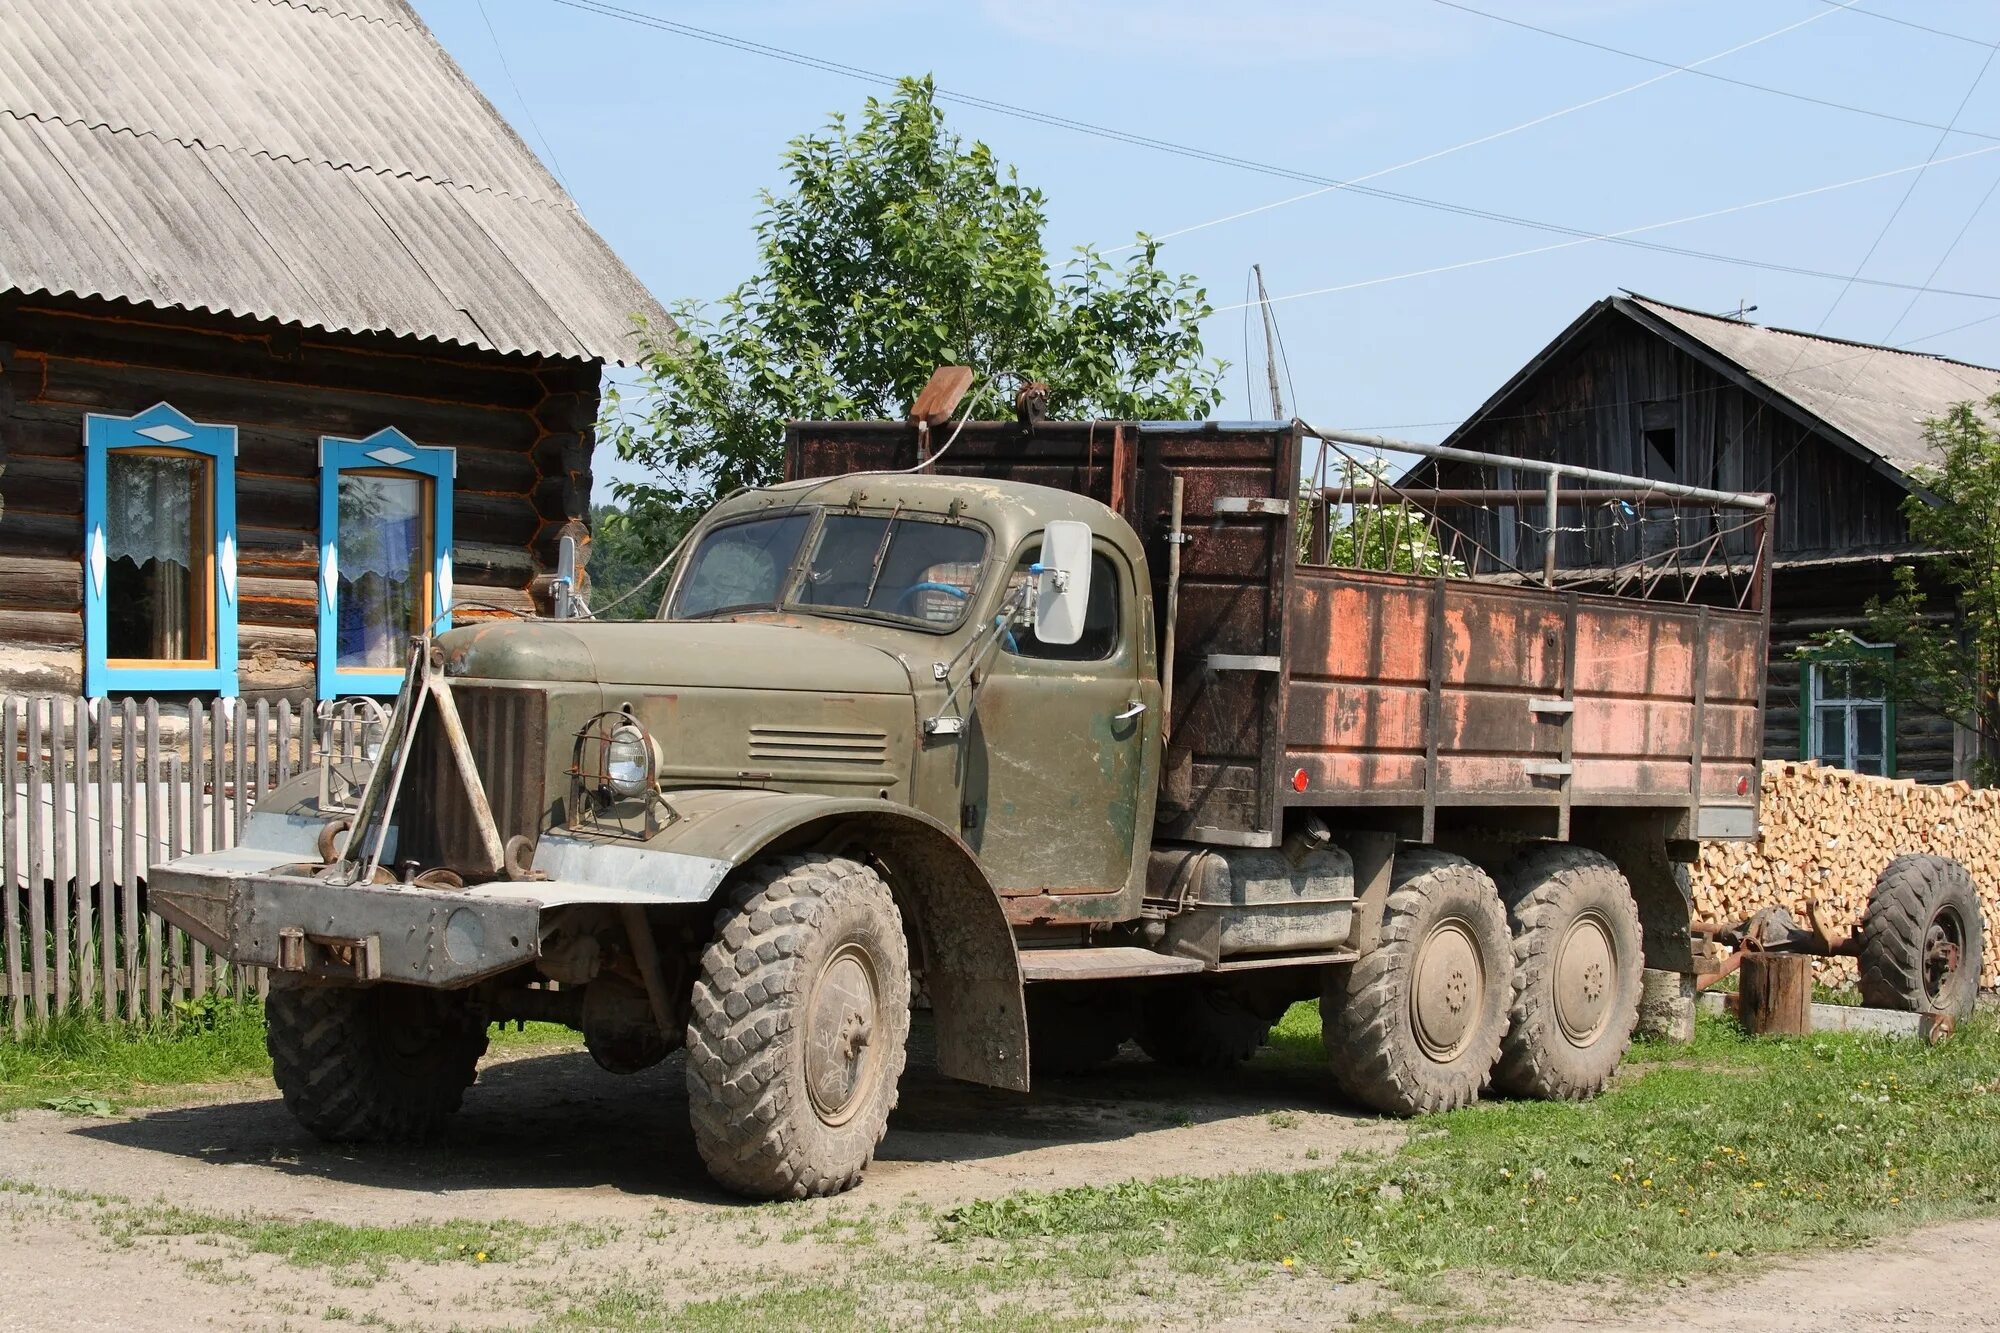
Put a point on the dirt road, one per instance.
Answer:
(593, 1204)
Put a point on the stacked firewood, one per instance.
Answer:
(1827, 833)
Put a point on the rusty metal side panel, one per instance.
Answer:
(1658, 691)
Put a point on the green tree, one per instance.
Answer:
(897, 248)
(624, 548)
(1948, 665)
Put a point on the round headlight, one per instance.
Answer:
(628, 761)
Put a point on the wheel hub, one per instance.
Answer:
(840, 1017)
(1448, 979)
(1585, 964)
(1943, 949)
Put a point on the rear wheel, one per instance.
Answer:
(1576, 974)
(796, 1035)
(384, 1064)
(1922, 940)
(1199, 1027)
(1415, 1026)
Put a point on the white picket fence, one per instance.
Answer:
(98, 791)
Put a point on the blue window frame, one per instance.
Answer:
(384, 557)
(159, 582)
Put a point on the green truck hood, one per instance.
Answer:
(691, 653)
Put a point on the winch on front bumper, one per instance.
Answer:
(238, 904)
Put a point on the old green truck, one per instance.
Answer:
(1069, 735)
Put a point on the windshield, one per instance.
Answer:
(893, 566)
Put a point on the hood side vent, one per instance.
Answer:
(820, 745)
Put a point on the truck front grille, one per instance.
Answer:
(507, 730)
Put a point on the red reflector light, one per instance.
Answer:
(1300, 781)
(1742, 786)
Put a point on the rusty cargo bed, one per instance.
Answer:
(1484, 696)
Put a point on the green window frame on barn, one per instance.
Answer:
(1842, 728)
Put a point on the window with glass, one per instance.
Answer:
(1852, 725)
(895, 567)
(1100, 617)
(385, 558)
(160, 553)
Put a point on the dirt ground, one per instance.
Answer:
(120, 1223)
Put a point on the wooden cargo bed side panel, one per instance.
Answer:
(1358, 696)
(1733, 714)
(1635, 701)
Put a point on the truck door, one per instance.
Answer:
(1054, 783)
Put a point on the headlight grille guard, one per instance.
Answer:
(592, 803)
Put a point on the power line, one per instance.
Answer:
(1355, 183)
(1709, 74)
(1625, 236)
(1949, 250)
(1909, 23)
(520, 97)
(605, 9)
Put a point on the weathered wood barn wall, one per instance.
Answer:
(1642, 388)
(521, 427)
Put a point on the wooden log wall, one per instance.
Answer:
(1828, 833)
(522, 427)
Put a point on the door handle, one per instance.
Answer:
(1136, 708)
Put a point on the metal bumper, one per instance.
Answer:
(235, 904)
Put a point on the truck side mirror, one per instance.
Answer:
(1062, 583)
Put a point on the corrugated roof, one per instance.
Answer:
(320, 162)
(1879, 397)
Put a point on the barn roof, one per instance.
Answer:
(1870, 400)
(318, 162)
(1878, 397)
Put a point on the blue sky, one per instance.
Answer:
(665, 141)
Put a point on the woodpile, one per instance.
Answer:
(1827, 833)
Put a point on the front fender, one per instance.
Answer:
(972, 972)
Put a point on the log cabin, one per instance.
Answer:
(1834, 430)
(300, 348)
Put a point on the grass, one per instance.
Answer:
(1699, 1156)
(317, 1244)
(81, 1065)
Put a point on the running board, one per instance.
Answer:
(1102, 964)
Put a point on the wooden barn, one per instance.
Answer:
(300, 348)
(1835, 430)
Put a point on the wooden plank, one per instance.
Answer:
(197, 822)
(17, 884)
(38, 924)
(129, 867)
(104, 883)
(59, 866)
(153, 849)
(179, 945)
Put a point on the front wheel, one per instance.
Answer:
(796, 1036)
(373, 1064)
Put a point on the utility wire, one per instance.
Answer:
(520, 97)
(1936, 268)
(1709, 74)
(1327, 186)
(1909, 23)
(605, 9)
(1625, 236)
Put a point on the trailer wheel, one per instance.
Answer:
(1415, 1026)
(1199, 1027)
(1076, 1028)
(796, 1036)
(1577, 969)
(374, 1064)
(1922, 939)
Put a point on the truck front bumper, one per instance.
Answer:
(234, 902)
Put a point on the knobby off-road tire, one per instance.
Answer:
(796, 1036)
(1578, 960)
(1199, 1027)
(372, 1064)
(1415, 1026)
(1924, 910)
